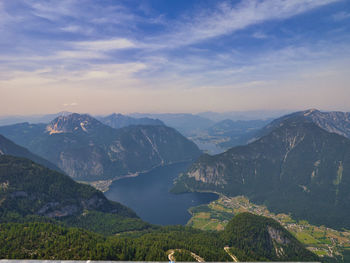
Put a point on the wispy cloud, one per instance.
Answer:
(52, 10)
(228, 18)
(72, 104)
(105, 45)
(217, 55)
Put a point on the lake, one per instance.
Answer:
(148, 195)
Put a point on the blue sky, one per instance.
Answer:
(173, 56)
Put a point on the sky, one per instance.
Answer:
(104, 56)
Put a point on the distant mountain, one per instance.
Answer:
(236, 133)
(118, 121)
(334, 121)
(187, 124)
(298, 167)
(7, 147)
(75, 123)
(29, 191)
(243, 115)
(86, 149)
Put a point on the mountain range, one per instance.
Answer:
(87, 149)
(297, 164)
(187, 124)
(118, 121)
(298, 167)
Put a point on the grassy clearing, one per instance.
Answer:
(321, 253)
(305, 238)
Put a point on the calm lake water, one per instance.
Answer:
(148, 195)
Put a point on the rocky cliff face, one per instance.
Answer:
(73, 123)
(334, 121)
(298, 167)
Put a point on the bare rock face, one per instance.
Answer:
(277, 236)
(209, 174)
(64, 211)
(333, 121)
(72, 123)
(61, 209)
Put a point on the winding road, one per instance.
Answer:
(172, 258)
(227, 249)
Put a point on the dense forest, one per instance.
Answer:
(247, 235)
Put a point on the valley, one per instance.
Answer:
(321, 240)
(152, 181)
(184, 131)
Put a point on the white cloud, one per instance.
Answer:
(105, 45)
(72, 104)
(76, 54)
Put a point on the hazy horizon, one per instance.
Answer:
(160, 112)
(173, 56)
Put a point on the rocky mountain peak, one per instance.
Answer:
(72, 123)
(310, 111)
(333, 121)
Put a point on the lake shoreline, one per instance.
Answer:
(104, 185)
(149, 196)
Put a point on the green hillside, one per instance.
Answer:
(9, 148)
(30, 192)
(297, 168)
